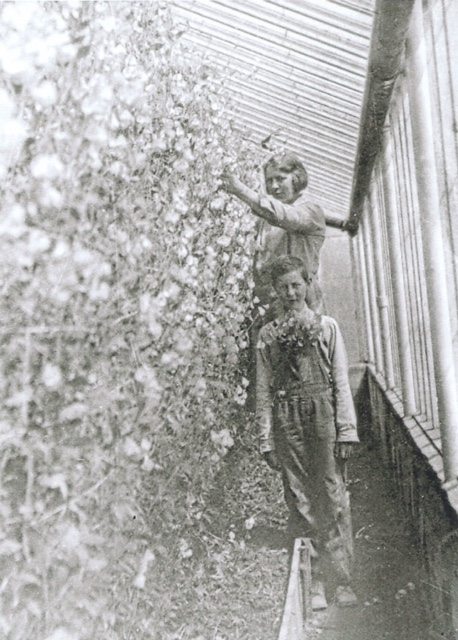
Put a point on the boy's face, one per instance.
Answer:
(291, 288)
(280, 184)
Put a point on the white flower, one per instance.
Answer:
(147, 464)
(7, 105)
(61, 249)
(49, 197)
(45, 94)
(12, 221)
(73, 411)
(61, 633)
(46, 166)
(147, 376)
(155, 328)
(100, 99)
(146, 444)
(13, 132)
(183, 343)
(217, 204)
(83, 256)
(224, 241)
(172, 291)
(170, 359)
(158, 144)
(55, 481)
(222, 440)
(39, 241)
(96, 133)
(200, 387)
(51, 376)
(109, 23)
(147, 559)
(67, 53)
(99, 291)
(19, 15)
(131, 449)
(145, 302)
(16, 65)
(181, 165)
(185, 550)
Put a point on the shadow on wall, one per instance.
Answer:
(337, 284)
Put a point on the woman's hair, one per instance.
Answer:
(285, 264)
(291, 163)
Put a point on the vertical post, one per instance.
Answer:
(359, 244)
(397, 278)
(436, 276)
(370, 271)
(382, 297)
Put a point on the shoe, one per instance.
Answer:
(318, 596)
(345, 596)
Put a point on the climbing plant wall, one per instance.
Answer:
(125, 303)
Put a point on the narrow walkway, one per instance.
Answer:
(242, 597)
(388, 574)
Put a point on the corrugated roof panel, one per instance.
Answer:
(284, 75)
(297, 70)
(270, 37)
(349, 85)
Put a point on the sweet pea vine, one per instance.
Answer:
(126, 297)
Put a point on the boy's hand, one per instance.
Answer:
(271, 458)
(343, 450)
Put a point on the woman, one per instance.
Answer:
(289, 223)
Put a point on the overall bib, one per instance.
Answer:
(305, 435)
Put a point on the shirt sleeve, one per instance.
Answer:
(300, 217)
(345, 409)
(264, 400)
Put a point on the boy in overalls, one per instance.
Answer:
(307, 423)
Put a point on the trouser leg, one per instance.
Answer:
(334, 513)
(298, 485)
(316, 498)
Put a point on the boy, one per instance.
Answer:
(307, 423)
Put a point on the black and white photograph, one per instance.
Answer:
(228, 320)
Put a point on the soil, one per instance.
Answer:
(388, 575)
(238, 588)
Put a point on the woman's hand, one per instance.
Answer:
(230, 183)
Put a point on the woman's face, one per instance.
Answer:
(291, 288)
(280, 184)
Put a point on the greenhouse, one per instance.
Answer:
(229, 320)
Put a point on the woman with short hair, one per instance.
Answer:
(290, 224)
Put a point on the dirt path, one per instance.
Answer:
(238, 584)
(388, 575)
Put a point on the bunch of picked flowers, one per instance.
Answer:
(296, 330)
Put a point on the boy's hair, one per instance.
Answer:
(291, 163)
(285, 264)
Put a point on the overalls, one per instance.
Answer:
(305, 435)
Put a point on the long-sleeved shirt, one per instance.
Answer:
(296, 229)
(332, 348)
